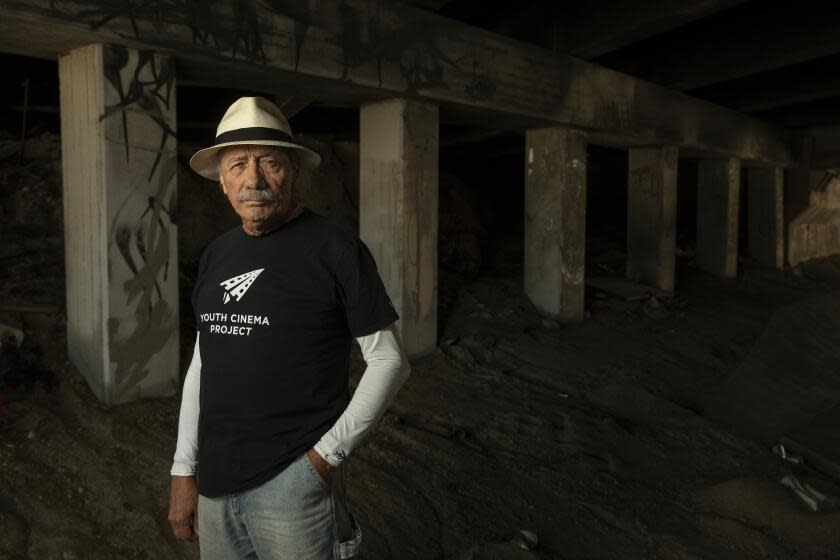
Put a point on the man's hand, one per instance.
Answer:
(321, 465)
(183, 508)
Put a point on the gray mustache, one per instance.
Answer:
(262, 195)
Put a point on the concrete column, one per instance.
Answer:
(718, 190)
(555, 221)
(799, 179)
(398, 210)
(652, 216)
(119, 162)
(766, 215)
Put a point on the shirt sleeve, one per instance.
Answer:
(366, 303)
(186, 450)
(387, 369)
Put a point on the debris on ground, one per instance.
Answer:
(780, 450)
(810, 496)
(527, 540)
(654, 309)
(625, 289)
(550, 323)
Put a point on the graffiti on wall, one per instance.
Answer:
(239, 37)
(150, 97)
(142, 224)
(363, 34)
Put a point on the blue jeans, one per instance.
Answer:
(295, 515)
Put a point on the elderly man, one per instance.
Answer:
(266, 419)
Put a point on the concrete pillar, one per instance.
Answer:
(398, 210)
(766, 215)
(652, 216)
(555, 221)
(799, 179)
(119, 162)
(718, 190)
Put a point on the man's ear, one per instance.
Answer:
(222, 182)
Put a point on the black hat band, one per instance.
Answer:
(254, 133)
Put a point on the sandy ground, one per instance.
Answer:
(591, 436)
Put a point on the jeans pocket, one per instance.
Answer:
(350, 547)
(313, 472)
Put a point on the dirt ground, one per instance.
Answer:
(591, 436)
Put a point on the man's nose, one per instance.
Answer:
(253, 176)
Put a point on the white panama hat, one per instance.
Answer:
(250, 120)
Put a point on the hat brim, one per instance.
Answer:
(204, 161)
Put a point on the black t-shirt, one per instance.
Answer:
(277, 315)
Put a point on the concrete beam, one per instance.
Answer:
(363, 50)
(119, 162)
(555, 221)
(766, 218)
(398, 210)
(718, 191)
(652, 216)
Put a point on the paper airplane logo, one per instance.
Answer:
(238, 285)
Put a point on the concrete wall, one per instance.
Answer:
(816, 231)
(119, 176)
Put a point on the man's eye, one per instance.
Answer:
(235, 165)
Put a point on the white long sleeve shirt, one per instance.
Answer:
(386, 371)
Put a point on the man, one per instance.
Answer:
(266, 419)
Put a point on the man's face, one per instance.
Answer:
(259, 183)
